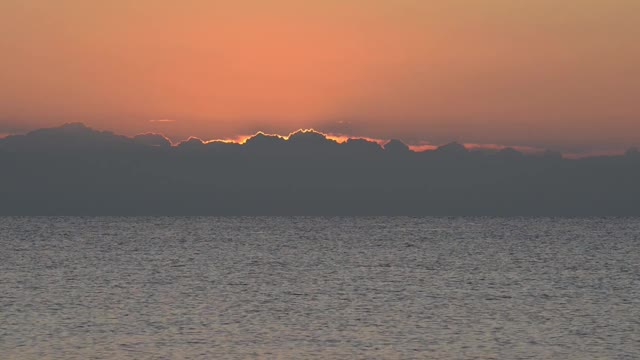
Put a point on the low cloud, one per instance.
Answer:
(152, 139)
(77, 170)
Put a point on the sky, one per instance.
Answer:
(562, 75)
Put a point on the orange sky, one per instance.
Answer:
(544, 73)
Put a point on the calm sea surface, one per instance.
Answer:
(329, 288)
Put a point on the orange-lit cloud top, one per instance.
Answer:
(242, 139)
(341, 138)
(545, 73)
(159, 139)
(418, 147)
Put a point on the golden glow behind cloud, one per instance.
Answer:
(542, 73)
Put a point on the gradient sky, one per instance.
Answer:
(544, 73)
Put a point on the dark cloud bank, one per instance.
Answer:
(74, 170)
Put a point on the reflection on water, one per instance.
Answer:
(398, 288)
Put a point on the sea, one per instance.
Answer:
(319, 288)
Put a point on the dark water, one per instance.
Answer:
(293, 288)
